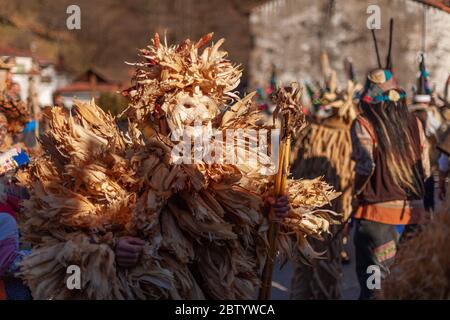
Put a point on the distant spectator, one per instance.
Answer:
(57, 101)
(15, 91)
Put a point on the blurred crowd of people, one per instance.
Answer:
(399, 144)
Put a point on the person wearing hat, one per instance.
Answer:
(424, 107)
(391, 164)
(324, 148)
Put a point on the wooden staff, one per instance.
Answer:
(292, 120)
(274, 226)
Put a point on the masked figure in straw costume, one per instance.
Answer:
(13, 109)
(324, 148)
(424, 108)
(14, 113)
(198, 226)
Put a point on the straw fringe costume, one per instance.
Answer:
(324, 149)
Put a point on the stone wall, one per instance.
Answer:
(291, 34)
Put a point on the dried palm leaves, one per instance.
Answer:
(304, 194)
(14, 114)
(204, 230)
(324, 149)
(291, 118)
(5, 137)
(94, 187)
(14, 110)
(181, 82)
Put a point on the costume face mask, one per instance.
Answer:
(187, 111)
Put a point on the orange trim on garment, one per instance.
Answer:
(369, 128)
(383, 214)
(2, 290)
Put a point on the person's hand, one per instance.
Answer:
(280, 205)
(128, 250)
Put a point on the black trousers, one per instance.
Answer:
(16, 289)
(375, 245)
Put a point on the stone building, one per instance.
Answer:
(290, 34)
(46, 76)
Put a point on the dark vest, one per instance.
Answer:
(444, 145)
(381, 186)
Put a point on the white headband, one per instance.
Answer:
(424, 98)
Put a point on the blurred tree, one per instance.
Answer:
(114, 103)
